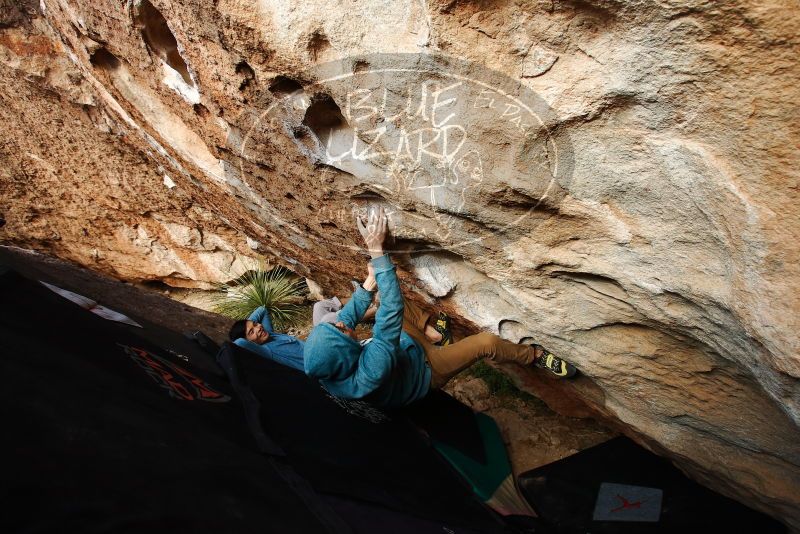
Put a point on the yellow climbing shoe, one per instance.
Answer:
(442, 325)
(555, 365)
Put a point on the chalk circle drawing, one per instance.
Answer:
(434, 139)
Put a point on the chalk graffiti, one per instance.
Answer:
(430, 138)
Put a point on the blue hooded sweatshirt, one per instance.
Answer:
(389, 371)
(282, 348)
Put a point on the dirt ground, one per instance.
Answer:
(534, 434)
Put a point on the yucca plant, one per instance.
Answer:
(277, 289)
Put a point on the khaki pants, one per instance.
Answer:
(446, 362)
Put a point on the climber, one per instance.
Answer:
(399, 365)
(327, 311)
(257, 335)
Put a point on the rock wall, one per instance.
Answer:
(615, 179)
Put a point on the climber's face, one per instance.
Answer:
(255, 332)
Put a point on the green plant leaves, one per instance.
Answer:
(277, 289)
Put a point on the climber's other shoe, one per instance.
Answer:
(555, 365)
(442, 325)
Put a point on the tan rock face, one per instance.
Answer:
(616, 180)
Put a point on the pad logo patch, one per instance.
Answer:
(179, 383)
(360, 409)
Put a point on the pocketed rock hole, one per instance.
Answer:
(105, 60)
(325, 119)
(318, 45)
(201, 111)
(282, 87)
(247, 73)
(360, 66)
(159, 38)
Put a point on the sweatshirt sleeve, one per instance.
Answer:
(260, 315)
(356, 307)
(374, 368)
(389, 319)
(261, 350)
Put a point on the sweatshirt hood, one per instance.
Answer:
(330, 354)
